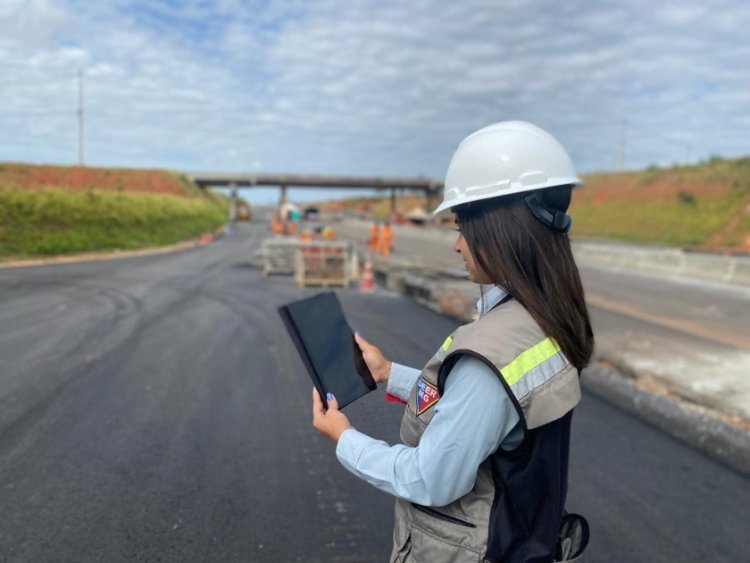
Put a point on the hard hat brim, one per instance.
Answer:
(514, 189)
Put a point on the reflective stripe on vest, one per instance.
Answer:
(534, 367)
(447, 344)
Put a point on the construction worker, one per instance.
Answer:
(276, 227)
(372, 241)
(385, 239)
(328, 233)
(483, 476)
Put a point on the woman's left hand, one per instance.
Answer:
(331, 422)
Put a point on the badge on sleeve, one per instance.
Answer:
(427, 395)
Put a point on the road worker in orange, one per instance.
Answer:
(372, 242)
(276, 226)
(385, 239)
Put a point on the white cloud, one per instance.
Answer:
(368, 87)
(31, 22)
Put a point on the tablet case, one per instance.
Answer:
(325, 342)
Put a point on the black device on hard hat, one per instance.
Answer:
(554, 218)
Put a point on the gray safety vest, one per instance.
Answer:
(544, 387)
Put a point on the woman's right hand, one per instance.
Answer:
(379, 367)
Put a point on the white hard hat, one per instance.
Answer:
(506, 158)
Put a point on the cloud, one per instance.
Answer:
(369, 87)
(32, 22)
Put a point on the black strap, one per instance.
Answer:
(553, 218)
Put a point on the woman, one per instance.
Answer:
(482, 473)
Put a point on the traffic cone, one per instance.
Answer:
(367, 282)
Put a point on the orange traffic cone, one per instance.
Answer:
(367, 282)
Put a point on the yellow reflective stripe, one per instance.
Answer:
(447, 344)
(528, 360)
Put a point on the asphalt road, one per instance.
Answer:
(153, 409)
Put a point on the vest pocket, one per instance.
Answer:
(428, 548)
(442, 516)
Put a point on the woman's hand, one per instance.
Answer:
(380, 368)
(332, 422)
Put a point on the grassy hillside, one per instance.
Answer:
(57, 210)
(705, 205)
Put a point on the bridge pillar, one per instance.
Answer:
(233, 202)
(431, 200)
(393, 200)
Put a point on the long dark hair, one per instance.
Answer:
(534, 264)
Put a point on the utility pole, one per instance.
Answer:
(80, 117)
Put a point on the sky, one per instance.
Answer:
(369, 87)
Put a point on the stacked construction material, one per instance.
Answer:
(279, 254)
(323, 263)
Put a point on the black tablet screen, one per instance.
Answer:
(329, 343)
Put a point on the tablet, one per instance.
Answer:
(326, 344)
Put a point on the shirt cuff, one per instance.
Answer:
(401, 380)
(350, 446)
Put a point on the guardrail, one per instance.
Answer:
(660, 260)
(725, 268)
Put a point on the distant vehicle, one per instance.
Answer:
(418, 216)
(311, 213)
(243, 211)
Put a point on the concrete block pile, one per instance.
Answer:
(279, 255)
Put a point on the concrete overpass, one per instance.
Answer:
(432, 189)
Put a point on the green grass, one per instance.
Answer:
(659, 221)
(60, 222)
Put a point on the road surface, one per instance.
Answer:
(153, 409)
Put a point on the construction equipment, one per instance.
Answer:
(243, 211)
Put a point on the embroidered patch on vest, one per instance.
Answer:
(427, 395)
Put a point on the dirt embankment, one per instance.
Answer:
(78, 178)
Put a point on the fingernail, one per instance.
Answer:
(329, 396)
(356, 333)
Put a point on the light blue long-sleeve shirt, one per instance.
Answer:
(473, 417)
